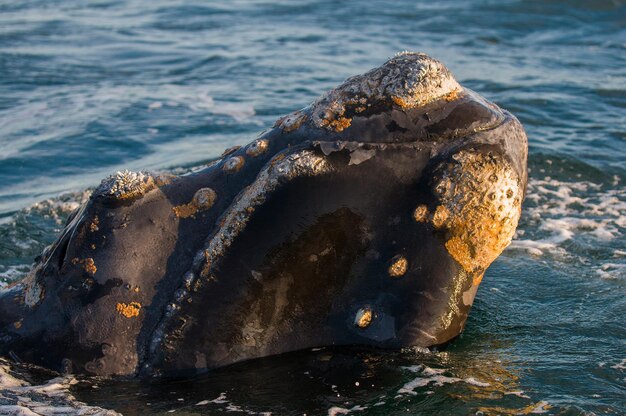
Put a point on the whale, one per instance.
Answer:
(366, 218)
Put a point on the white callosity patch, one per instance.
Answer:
(126, 184)
(33, 293)
(408, 80)
(18, 397)
(204, 197)
(591, 215)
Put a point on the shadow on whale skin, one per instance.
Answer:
(366, 218)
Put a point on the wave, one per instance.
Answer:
(582, 221)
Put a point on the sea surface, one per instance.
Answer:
(91, 87)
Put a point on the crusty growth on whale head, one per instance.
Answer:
(125, 185)
(481, 195)
(408, 80)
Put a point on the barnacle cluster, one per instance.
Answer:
(407, 80)
(126, 185)
(480, 204)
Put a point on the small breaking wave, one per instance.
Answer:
(20, 397)
(227, 406)
(200, 100)
(575, 222)
(436, 377)
(24, 235)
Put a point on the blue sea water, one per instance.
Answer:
(89, 88)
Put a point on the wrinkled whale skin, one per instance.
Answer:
(366, 218)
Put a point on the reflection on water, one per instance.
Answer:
(328, 380)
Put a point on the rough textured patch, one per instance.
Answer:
(257, 148)
(88, 265)
(129, 310)
(399, 266)
(203, 199)
(33, 291)
(363, 317)
(234, 164)
(421, 213)
(480, 204)
(408, 80)
(291, 121)
(126, 185)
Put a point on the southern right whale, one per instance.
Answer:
(367, 218)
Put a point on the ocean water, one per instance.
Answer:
(89, 88)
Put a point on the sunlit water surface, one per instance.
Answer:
(88, 88)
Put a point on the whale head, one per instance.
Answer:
(366, 218)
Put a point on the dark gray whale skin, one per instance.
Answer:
(366, 218)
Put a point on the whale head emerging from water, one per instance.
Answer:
(366, 218)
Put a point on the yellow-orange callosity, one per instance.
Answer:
(88, 264)
(399, 266)
(233, 164)
(93, 227)
(480, 212)
(440, 216)
(421, 213)
(129, 310)
(363, 317)
(203, 199)
(257, 148)
(291, 121)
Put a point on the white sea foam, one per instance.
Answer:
(18, 397)
(621, 365)
(336, 410)
(229, 406)
(12, 273)
(55, 208)
(540, 407)
(518, 393)
(611, 271)
(559, 212)
(436, 377)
